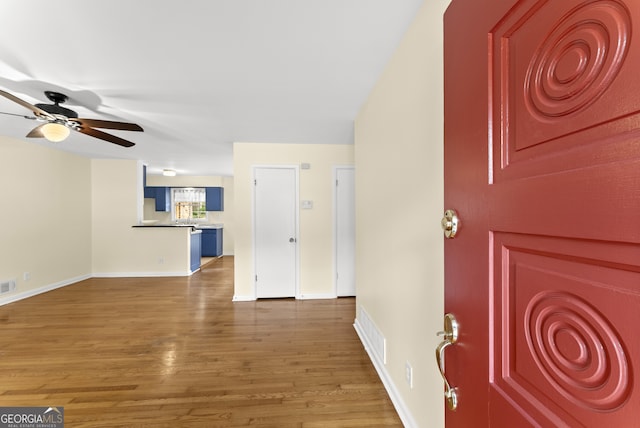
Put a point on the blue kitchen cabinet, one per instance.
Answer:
(163, 199)
(162, 195)
(211, 242)
(215, 198)
(150, 192)
(196, 251)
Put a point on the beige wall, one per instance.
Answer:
(45, 216)
(316, 225)
(225, 217)
(399, 190)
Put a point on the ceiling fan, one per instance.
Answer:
(60, 120)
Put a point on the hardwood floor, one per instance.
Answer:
(176, 352)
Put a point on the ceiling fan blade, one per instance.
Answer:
(108, 124)
(106, 137)
(36, 132)
(36, 110)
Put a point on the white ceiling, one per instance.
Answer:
(198, 75)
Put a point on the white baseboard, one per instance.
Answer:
(45, 288)
(402, 409)
(34, 292)
(139, 274)
(317, 296)
(237, 298)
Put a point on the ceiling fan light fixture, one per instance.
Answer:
(55, 132)
(59, 120)
(169, 172)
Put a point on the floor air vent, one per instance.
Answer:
(7, 286)
(374, 335)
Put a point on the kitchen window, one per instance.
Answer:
(188, 204)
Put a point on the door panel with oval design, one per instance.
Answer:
(542, 161)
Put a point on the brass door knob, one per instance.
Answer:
(450, 224)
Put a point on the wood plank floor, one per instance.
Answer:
(176, 352)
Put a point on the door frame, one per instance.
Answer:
(336, 168)
(296, 169)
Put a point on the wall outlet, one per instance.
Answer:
(26, 276)
(408, 374)
(160, 260)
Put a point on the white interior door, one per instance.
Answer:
(275, 227)
(345, 231)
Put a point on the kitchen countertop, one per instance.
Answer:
(195, 226)
(210, 226)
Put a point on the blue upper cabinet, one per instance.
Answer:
(150, 192)
(163, 199)
(215, 198)
(162, 195)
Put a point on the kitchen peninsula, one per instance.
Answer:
(195, 240)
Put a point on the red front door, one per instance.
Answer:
(542, 165)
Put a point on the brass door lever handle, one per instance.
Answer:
(450, 334)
